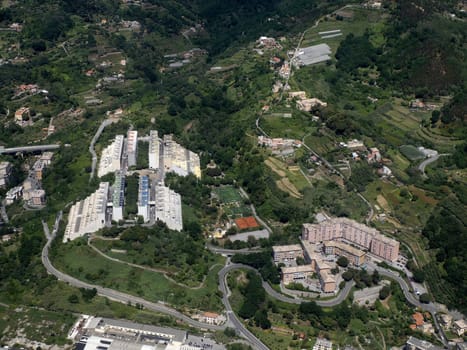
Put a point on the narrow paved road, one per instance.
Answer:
(157, 307)
(96, 136)
(223, 287)
(430, 160)
(286, 299)
(118, 296)
(253, 209)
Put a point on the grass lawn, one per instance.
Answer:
(82, 262)
(228, 194)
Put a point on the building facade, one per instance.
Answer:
(285, 253)
(143, 198)
(355, 256)
(347, 230)
(154, 150)
(132, 147)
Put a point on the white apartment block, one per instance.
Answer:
(88, 215)
(118, 197)
(169, 207)
(180, 160)
(111, 157)
(132, 147)
(154, 145)
(143, 198)
(348, 230)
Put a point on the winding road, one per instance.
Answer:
(430, 160)
(232, 319)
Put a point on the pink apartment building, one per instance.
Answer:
(350, 231)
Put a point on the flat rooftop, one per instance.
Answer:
(286, 248)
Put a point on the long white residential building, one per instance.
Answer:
(169, 207)
(88, 215)
(180, 160)
(111, 158)
(143, 197)
(132, 147)
(118, 197)
(154, 146)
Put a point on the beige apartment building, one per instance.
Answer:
(347, 230)
(354, 255)
(316, 265)
(296, 273)
(285, 253)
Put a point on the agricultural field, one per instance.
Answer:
(291, 179)
(232, 202)
(411, 152)
(410, 206)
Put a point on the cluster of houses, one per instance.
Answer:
(418, 104)
(422, 323)
(305, 104)
(268, 43)
(459, 327)
(372, 155)
(24, 90)
(279, 146)
(180, 59)
(31, 189)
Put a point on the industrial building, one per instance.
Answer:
(154, 150)
(111, 157)
(143, 198)
(88, 215)
(180, 160)
(118, 197)
(132, 147)
(347, 230)
(169, 207)
(97, 333)
(312, 54)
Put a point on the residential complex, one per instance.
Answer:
(169, 207)
(180, 160)
(88, 215)
(143, 198)
(285, 253)
(132, 147)
(354, 255)
(111, 157)
(315, 265)
(296, 274)
(154, 150)
(350, 231)
(323, 268)
(118, 197)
